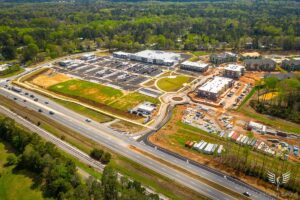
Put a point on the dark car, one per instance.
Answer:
(15, 98)
(36, 99)
(51, 112)
(26, 93)
(46, 102)
(246, 194)
(40, 110)
(32, 96)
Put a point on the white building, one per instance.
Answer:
(194, 66)
(156, 57)
(4, 67)
(257, 127)
(121, 54)
(146, 108)
(88, 56)
(234, 71)
(213, 88)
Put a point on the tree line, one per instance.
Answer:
(35, 31)
(245, 160)
(57, 175)
(279, 97)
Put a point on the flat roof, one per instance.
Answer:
(158, 55)
(234, 67)
(195, 64)
(215, 85)
(4, 67)
(122, 53)
(226, 54)
(147, 106)
(251, 54)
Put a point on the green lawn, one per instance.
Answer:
(131, 100)
(97, 116)
(15, 185)
(199, 53)
(13, 73)
(172, 84)
(87, 90)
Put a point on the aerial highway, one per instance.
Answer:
(120, 144)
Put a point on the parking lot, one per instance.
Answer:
(118, 73)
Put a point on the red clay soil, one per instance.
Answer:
(161, 139)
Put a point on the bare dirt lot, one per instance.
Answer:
(251, 77)
(173, 136)
(50, 78)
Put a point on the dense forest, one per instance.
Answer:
(280, 98)
(32, 32)
(57, 175)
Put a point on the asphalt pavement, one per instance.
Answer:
(120, 144)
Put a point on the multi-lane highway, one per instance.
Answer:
(120, 144)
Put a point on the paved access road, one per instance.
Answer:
(120, 144)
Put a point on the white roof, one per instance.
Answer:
(88, 55)
(146, 106)
(234, 67)
(215, 85)
(158, 55)
(4, 67)
(122, 53)
(195, 64)
(256, 125)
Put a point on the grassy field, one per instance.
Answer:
(13, 73)
(14, 184)
(131, 100)
(87, 90)
(125, 166)
(172, 84)
(96, 116)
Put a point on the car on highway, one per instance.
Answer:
(24, 100)
(15, 98)
(51, 112)
(40, 110)
(246, 194)
(26, 93)
(36, 99)
(32, 96)
(46, 102)
(88, 120)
